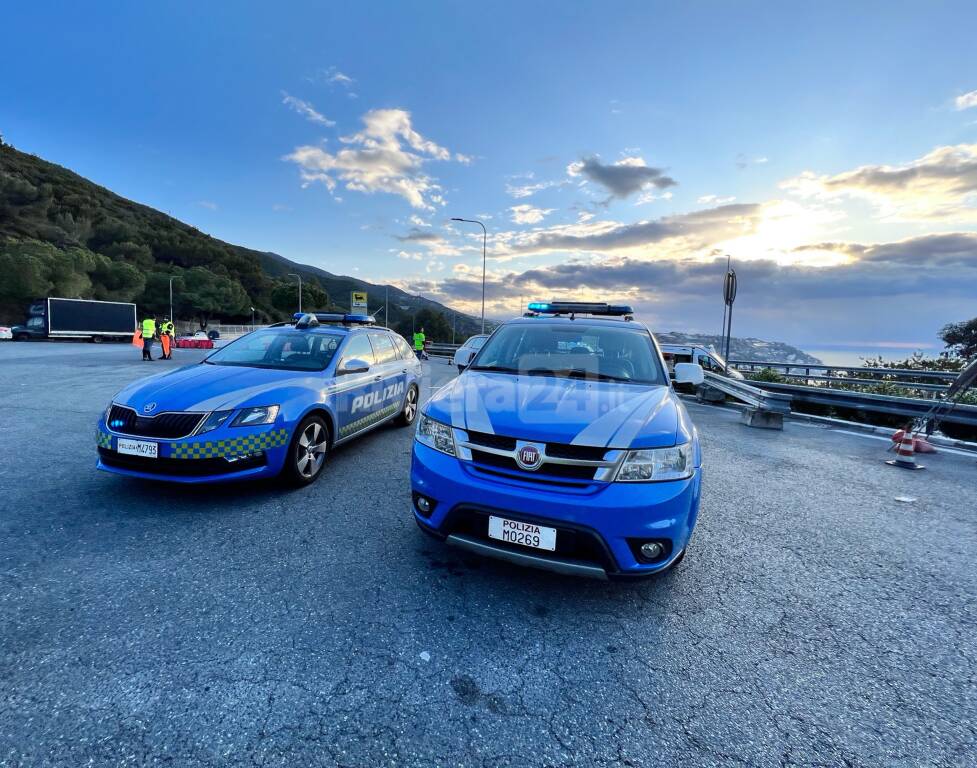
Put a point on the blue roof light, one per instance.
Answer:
(336, 317)
(580, 308)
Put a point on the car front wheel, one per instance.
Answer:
(409, 413)
(307, 452)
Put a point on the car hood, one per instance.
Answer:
(205, 387)
(561, 410)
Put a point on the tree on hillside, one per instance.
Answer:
(285, 296)
(207, 295)
(436, 327)
(961, 338)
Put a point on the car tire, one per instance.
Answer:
(23, 337)
(308, 451)
(409, 413)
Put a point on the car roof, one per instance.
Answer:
(334, 329)
(608, 322)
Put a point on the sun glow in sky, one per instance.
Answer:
(614, 151)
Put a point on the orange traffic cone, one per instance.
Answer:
(920, 444)
(904, 453)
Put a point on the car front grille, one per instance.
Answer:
(495, 454)
(166, 426)
(181, 467)
(573, 542)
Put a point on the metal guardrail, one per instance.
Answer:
(910, 407)
(806, 370)
(753, 396)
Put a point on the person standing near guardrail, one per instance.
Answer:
(148, 332)
(419, 339)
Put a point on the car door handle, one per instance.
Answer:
(377, 378)
(404, 371)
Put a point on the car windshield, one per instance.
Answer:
(286, 349)
(574, 350)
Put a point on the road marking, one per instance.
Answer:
(939, 448)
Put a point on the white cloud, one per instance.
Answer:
(417, 221)
(715, 200)
(520, 191)
(388, 155)
(527, 214)
(208, 204)
(409, 256)
(305, 109)
(941, 184)
(966, 100)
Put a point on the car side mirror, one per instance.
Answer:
(467, 358)
(353, 365)
(689, 373)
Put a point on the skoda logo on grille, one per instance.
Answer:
(529, 457)
(149, 407)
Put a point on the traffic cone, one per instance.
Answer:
(920, 444)
(904, 453)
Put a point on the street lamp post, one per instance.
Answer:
(484, 242)
(299, 277)
(172, 319)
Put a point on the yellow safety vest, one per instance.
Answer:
(148, 328)
(418, 341)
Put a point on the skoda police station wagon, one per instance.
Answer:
(562, 446)
(275, 401)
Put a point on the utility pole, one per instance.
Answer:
(172, 319)
(484, 243)
(292, 274)
(386, 303)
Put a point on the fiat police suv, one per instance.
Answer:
(273, 402)
(563, 446)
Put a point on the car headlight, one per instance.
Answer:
(213, 421)
(436, 435)
(108, 410)
(253, 417)
(656, 464)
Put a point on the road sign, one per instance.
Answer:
(357, 302)
(729, 286)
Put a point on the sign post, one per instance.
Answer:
(729, 296)
(357, 303)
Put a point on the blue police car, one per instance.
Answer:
(562, 446)
(274, 401)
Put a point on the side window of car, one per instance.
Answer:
(403, 347)
(384, 347)
(358, 347)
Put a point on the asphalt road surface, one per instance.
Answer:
(816, 620)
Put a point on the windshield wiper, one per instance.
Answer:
(495, 368)
(583, 373)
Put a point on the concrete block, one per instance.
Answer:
(762, 419)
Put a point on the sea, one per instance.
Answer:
(853, 356)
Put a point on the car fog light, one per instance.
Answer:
(651, 550)
(423, 504)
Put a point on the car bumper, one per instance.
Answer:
(211, 458)
(599, 527)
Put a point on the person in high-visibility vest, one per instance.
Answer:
(166, 338)
(148, 333)
(419, 344)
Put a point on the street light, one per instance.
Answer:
(172, 319)
(484, 241)
(292, 274)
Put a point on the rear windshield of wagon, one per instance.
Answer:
(574, 349)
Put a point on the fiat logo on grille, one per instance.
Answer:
(149, 407)
(529, 457)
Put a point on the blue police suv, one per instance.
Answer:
(275, 401)
(562, 446)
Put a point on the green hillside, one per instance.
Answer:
(62, 235)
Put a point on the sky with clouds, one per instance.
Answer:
(614, 151)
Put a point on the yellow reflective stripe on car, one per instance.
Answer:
(234, 446)
(103, 439)
(356, 426)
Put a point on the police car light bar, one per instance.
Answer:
(580, 308)
(304, 319)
